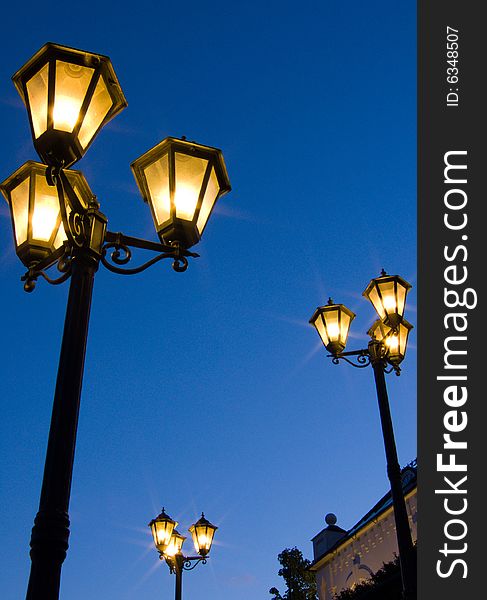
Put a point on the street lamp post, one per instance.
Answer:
(70, 94)
(169, 543)
(384, 353)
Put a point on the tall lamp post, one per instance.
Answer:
(69, 95)
(385, 352)
(169, 543)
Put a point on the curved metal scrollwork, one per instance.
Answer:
(75, 221)
(190, 563)
(38, 270)
(121, 254)
(362, 359)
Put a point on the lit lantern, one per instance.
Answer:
(69, 94)
(34, 208)
(394, 340)
(175, 544)
(202, 532)
(181, 181)
(162, 528)
(332, 322)
(387, 294)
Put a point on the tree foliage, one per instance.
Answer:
(300, 582)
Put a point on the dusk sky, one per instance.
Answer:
(209, 390)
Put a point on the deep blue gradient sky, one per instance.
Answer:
(208, 390)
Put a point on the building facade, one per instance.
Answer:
(342, 559)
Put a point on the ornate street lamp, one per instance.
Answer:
(332, 322)
(387, 294)
(181, 181)
(35, 210)
(70, 94)
(394, 340)
(162, 528)
(202, 532)
(171, 548)
(384, 353)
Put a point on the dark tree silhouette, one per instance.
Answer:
(300, 582)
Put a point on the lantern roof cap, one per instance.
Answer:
(204, 521)
(163, 516)
(332, 306)
(82, 57)
(385, 277)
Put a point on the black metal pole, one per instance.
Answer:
(404, 541)
(178, 570)
(49, 541)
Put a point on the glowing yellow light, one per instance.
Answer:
(393, 343)
(171, 549)
(44, 218)
(66, 112)
(389, 302)
(185, 199)
(333, 331)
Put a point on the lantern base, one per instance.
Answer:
(183, 232)
(58, 148)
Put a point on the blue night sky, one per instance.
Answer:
(208, 390)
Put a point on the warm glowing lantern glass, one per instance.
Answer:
(175, 544)
(394, 340)
(162, 528)
(181, 181)
(35, 211)
(69, 94)
(332, 322)
(202, 532)
(387, 294)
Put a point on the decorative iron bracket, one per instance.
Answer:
(366, 356)
(121, 254)
(363, 358)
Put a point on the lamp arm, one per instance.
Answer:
(121, 254)
(362, 359)
(190, 562)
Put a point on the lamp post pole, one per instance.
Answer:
(64, 227)
(178, 571)
(49, 540)
(404, 540)
(389, 335)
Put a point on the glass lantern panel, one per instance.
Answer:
(205, 538)
(403, 337)
(209, 198)
(344, 327)
(161, 532)
(20, 208)
(77, 190)
(190, 171)
(98, 109)
(157, 177)
(175, 545)
(377, 304)
(332, 324)
(401, 298)
(388, 296)
(392, 344)
(320, 328)
(60, 237)
(45, 216)
(37, 94)
(72, 83)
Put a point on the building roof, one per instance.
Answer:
(409, 481)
